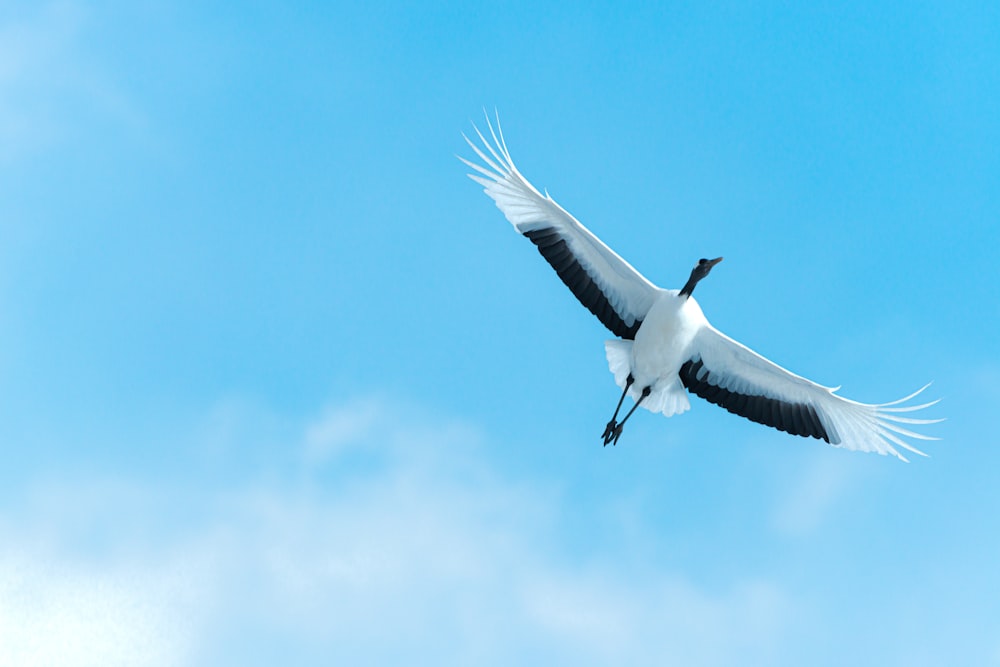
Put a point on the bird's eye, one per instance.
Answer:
(702, 260)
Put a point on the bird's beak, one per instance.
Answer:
(713, 262)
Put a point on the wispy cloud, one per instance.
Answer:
(613, 617)
(420, 549)
(339, 427)
(806, 504)
(49, 81)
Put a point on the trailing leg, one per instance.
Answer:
(613, 424)
(617, 431)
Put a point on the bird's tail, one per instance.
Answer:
(619, 359)
(668, 398)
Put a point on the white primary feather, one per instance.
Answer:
(628, 292)
(849, 424)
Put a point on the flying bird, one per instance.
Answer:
(665, 346)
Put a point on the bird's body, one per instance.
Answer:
(663, 342)
(666, 346)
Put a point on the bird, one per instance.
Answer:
(665, 348)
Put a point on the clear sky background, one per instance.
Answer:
(279, 384)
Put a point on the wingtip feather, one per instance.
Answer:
(906, 398)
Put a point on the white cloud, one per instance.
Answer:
(422, 553)
(58, 611)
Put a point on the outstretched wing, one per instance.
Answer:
(605, 283)
(731, 375)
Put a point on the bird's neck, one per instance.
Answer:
(688, 287)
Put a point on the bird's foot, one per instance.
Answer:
(609, 431)
(612, 432)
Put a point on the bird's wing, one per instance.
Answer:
(605, 283)
(731, 375)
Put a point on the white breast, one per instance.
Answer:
(663, 342)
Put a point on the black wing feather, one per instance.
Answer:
(558, 254)
(795, 418)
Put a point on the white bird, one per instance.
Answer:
(666, 345)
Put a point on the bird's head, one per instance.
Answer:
(700, 270)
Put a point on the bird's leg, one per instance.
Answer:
(610, 428)
(617, 433)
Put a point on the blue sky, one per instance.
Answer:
(279, 383)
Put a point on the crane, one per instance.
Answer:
(665, 346)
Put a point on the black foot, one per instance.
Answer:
(609, 431)
(612, 432)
